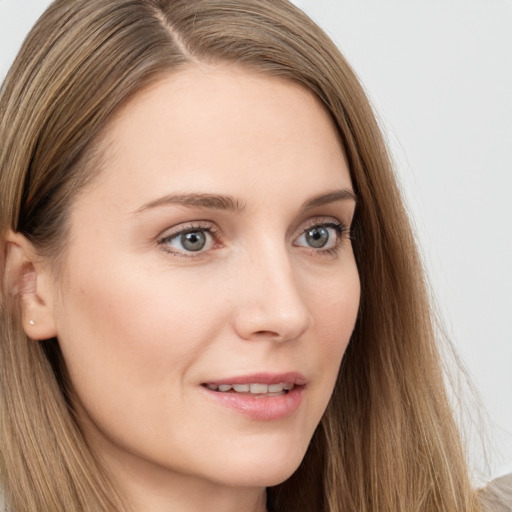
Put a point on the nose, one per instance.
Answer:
(270, 304)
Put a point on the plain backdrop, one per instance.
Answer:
(439, 74)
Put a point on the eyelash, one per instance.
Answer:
(342, 231)
(204, 227)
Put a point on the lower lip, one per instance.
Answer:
(260, 407)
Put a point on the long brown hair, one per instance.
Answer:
(388, 441)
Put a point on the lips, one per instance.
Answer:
(260, 396)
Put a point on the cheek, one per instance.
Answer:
(121, 329)
(131, 341)
(334, 307)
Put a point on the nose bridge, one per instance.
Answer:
(273, 304)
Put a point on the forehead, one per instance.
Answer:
(211, 125)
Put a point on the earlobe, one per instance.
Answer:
(27, 279)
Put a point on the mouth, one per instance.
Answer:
(253, 388)
(262, 397)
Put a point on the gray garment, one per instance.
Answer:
(497, 495)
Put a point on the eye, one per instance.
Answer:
(322, 236)
(193, 239)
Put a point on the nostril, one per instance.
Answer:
(273, 335)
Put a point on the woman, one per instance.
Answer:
(184, 265)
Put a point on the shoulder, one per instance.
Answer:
(497, 495)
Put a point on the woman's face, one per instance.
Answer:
(211, 251)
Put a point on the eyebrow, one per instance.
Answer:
(228, 203)
(330, 197)
(207, 201)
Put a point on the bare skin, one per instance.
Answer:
(213, 247)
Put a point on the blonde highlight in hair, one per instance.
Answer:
(388, 441)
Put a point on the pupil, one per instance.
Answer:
(317, 237)
(193, 241)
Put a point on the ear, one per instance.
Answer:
(29, 280)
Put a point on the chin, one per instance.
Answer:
(266, 468)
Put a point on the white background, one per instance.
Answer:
(439, 73)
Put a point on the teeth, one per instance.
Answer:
(242, 388)
(259, 388)
(254, 388)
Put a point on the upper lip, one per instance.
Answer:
(295, 378)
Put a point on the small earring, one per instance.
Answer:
(31, 322)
